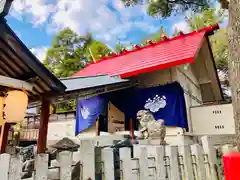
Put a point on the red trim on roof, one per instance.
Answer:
(163, 54)
(154, 68)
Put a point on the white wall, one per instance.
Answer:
(213, 119)
(58, 130)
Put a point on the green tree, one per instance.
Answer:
(206, 18)
(218, 41)
(66, 56)
(69, 52)
(165, 8)
(219, 44)
(97, 49)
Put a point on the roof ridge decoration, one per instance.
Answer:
(209, 30)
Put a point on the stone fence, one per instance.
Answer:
(141, 162)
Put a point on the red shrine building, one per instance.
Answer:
(186, 60)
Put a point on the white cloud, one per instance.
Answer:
(81, 16)
(38, 10)
(181, 26)
(40, 52)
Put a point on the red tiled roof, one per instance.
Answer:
(163, 54)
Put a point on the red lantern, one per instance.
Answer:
(231, 163)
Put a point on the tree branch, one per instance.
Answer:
(182, 2)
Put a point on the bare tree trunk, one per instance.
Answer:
(234, 63)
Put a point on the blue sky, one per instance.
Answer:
(37, 21)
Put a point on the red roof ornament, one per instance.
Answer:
(163, 54)
(150, 42)
(113, 54)
(210, 30)
(165, 38)
(103, 57)
(88, 64)
(181, 33)
(124, 50)
(137, 46)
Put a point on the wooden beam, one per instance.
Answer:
(15, 83)
(205, 82)
(43, 129)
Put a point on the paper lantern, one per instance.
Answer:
(15, 106)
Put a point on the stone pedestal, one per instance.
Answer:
(153, 141)
(170, 140)
(174, 136)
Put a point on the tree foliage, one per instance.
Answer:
(64, 57)
(218, 41)
(219, 44)
(70, 53)
(206, 18)
(165, 8)
(98, 49)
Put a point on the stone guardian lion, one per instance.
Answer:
(150, 127)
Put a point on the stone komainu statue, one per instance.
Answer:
(150, 127)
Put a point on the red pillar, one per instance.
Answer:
(97, 127)
(4, 137)
(43, 129)
(231, 163)
(131, 129)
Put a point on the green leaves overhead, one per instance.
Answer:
(218, 41)
(166, 8)
(98, 49)
(206, 18)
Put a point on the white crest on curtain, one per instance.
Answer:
(85, 112)
(156, 103)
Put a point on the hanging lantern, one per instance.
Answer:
(15, 106)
